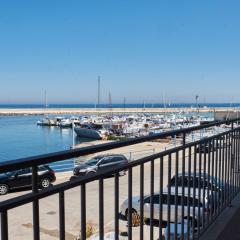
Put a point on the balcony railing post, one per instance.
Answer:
(183, 189)
(36, 230)
(130, 204)
(101, 209)
(116, 205)
(62, 215)
(238, 160)
(141, 201)
(194, 192)
(199, 189)
(169, 195)
(176, 193)
(4, 225)
(204, 180)
(160, 198)
(83, 212)
(152, 200)
(188, 201)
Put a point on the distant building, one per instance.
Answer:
(226, 115)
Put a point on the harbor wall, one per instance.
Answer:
(60, 111)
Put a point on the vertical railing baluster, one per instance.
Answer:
(152, 200)
(238, 154)
(238, 151)
(231, 164)
(141, 201)
(36, 230)
(219, 173)
(169, 195)
(205, 186)
(194, 192)
(230, 168)
(101, 210)
(188, 201)
(234, 164)
(223, 172)
(212, 181)
(116, 205)
(176, 195)
(199, 219)
(208, 179)
(130, 203)
(215, 176)
(161, 198)
(229, 157)
(61, 216)
(183, 191)
(83, 212)
(4, 225)
(236, 161)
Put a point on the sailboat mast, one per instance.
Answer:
(99, 89)
(110, 102)
(45, 102)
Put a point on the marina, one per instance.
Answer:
(30, 135)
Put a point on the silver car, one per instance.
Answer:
(207, 182)
(194, 202)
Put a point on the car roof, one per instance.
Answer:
(108, 155)
(199, 174)
(179, 192)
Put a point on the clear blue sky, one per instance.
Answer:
(141, 50)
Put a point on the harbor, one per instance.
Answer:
(28, 135)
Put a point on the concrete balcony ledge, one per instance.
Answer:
(226, 225)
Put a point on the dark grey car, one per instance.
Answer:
(100, 163)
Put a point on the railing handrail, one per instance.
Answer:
(61, 187)
(17, 164)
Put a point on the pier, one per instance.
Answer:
(74, 111)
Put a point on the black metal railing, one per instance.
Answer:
(189, 186)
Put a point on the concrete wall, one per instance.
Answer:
(226, 115)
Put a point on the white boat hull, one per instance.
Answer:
(88, 133)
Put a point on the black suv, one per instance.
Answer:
(100, 163)
(23, 178)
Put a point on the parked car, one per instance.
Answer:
(209, 147)
(209, 183)
(23, 178)
(196, 201)
(100, 163)
(180, 236)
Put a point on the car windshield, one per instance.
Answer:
(93, 161)
(10, 173)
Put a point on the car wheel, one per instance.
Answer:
(135, 217)
(45, 183)
(3, 189)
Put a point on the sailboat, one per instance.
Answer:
(45, 121)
